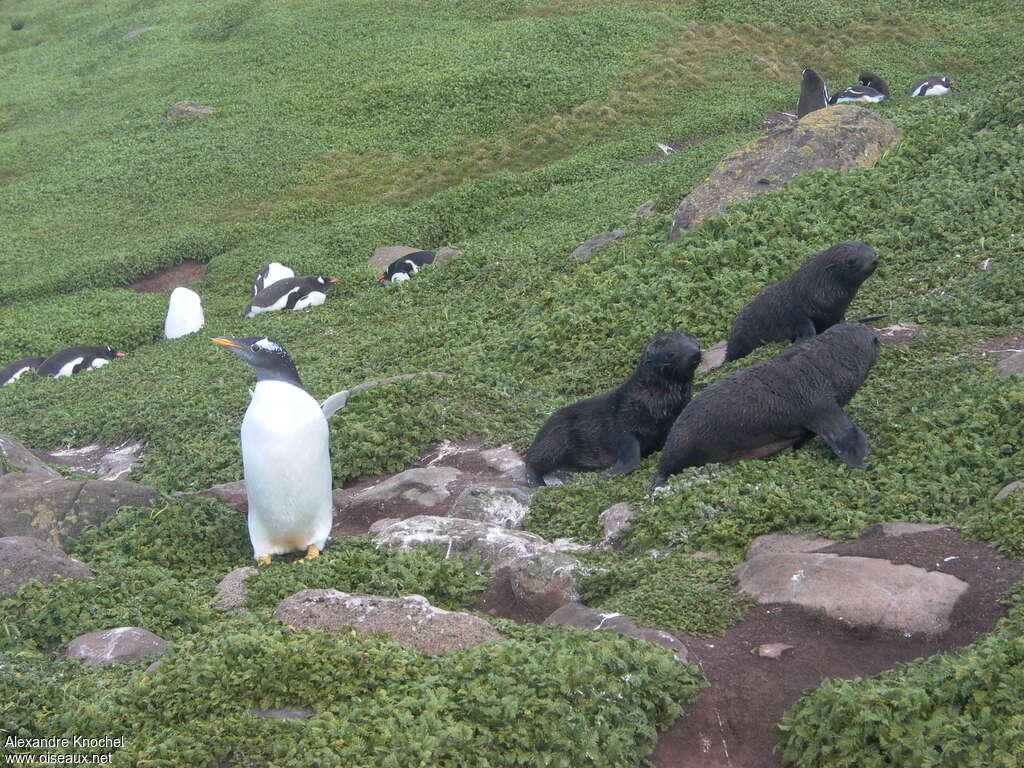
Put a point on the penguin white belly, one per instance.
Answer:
(98, 362)
(184, 313)
(17, 375)
(286, 455)
(936, 90)
(279, 304)
(313, 299)
(68, 368)
(400, 277)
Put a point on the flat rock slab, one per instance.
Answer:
(712, 357)
(55, 509)
(497, 545)
(582, 617)
(864, 592)
(189, 109)
(15, 457)
(233, 494)
(616, 521)
(900, 529)
(1010, 488)
(900, 333)
(774, 543)
(583, 251)
(1012, 366)
(837, 138)
(409, 620)
(231, 589)
(505, 504)
(24, 559)
(111, 646)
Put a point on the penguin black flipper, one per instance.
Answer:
(813, 94)
(845, 438)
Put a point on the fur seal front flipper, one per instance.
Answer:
(845, 438)
(627, 455)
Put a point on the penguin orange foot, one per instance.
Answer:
(312, 552)
(265, 560)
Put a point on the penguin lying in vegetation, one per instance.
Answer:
(285, 455)
(932, 86)
(290, 293)
(872, 89)
(77, 359)
(404, 268)
(11, 372)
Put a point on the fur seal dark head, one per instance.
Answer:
(809, 301)
(763, 409)
(618, 428)
(813, 94)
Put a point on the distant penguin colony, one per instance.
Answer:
(404, 268)
(290, 293)
(11, 372)
(619, 428)
(808, 302)
(270, 273)
(932, 86)
(77, 359)
(872, 89)
(813, 94)
(184, 313)
(782, 403)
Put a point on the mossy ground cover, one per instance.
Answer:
(507, 129)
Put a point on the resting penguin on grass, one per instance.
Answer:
(285, 455)
(758, 411)
(813, 94)
(11, 372)
(269, 274)
(619, 428)
(872, 89)
(404, 268)
(290, 293)
(77, 359)
(812, 299)
(932, 86)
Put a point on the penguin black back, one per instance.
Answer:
(77, 359)
(813, 94)
(402, 268)
(11, 372)
(289, 293)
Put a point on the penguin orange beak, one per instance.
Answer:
(383, 277)
(220, 341)
(120, 354)
(334, 280)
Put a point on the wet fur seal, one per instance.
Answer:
(618, 428)
(809, 301)
(761, 410)
(813, 94)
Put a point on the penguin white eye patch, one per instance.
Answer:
(268, 345)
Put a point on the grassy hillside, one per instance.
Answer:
(507, 129)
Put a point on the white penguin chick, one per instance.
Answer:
(184, 313)
(285, 453)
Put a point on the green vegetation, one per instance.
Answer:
(507, 129)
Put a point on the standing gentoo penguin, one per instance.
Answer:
(872, 89)
(285, 454)
(11, 372)
(813, 94)
(932, 86)
(404, 268)
(184, 313)
(76, 359)
(290, 293)
(269, 274)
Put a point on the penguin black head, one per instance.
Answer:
(110, 353)
(268, 358)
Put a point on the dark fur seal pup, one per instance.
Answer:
(77, 359)
(404, 268)
(871, 90)
(618, 428)
(813, 94)
(11, 372)
(290, 293)
(763, 409)
(813, 298)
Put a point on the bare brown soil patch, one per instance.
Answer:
(169, 278)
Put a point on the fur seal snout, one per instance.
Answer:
(618, 428)
(811, 300)
(763, 409)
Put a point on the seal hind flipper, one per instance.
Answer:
(845, 438)
(804, 329)
(627, 455)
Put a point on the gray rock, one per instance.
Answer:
(383, 523)
(1012, 366)
(583, 251)
(497, 545)
(24, 559)
(103, 462)
(616, 519)
(986, 265)
(15, 457)
(231, 589)
(900, 333)
(383, 256)
(645, 210)
(712, 357)
(545, 580)
(55, 509)
(837, 138)
(505, 505)
(189, 109)
(505, 461)
(582, 617)
(444, 255)
(771, 650)
(1010, 488)
(425, 487)
(111, 646)
(864, 592)
(775, 543)
(153, 668)
(409, 620)
(232, 494)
